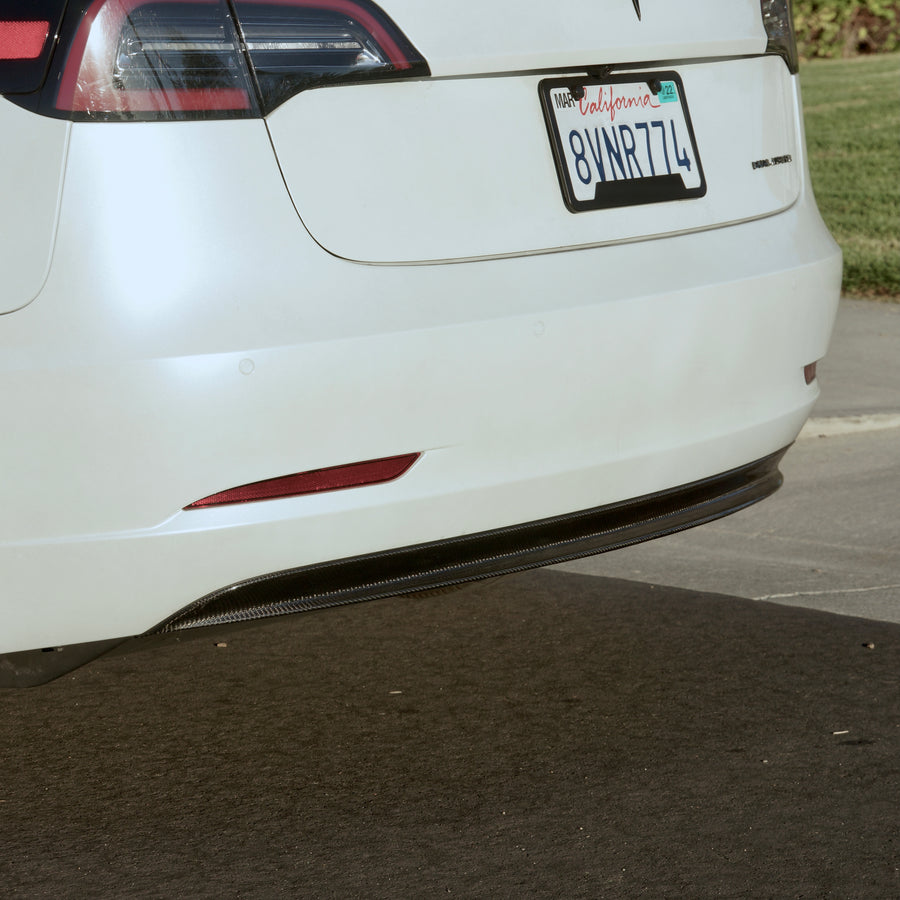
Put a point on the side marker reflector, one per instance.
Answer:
(335, 478)
(809, 373)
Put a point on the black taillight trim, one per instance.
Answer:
(778, 20)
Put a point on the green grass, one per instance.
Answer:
(852, 111)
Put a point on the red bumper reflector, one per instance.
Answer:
(23, 40)
(336, 478)
(809, 373)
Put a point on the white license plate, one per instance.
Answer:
(622, 141)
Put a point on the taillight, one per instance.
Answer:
(185, 59)
(27, 34)
(159, 60)
(779, 24)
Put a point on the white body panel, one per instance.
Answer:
(32, 155)
(468, 37)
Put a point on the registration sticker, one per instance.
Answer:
(668, 93)
(622, 141)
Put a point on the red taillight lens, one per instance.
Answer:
(335, 478)
(164, 59)
(23, 40)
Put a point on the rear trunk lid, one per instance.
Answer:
(462, 165)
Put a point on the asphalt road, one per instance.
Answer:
(551, 734)
(830, 538)
(543, 735)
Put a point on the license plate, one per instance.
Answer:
(624, 140)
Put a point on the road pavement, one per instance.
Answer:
(830, 538)
(544, 735)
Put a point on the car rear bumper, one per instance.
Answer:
(473, 557)
(438, 564)
(161, 365)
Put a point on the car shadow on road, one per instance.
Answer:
(544, 734)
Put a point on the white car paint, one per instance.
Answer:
(32, 160)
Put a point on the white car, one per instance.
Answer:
(309, 302)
